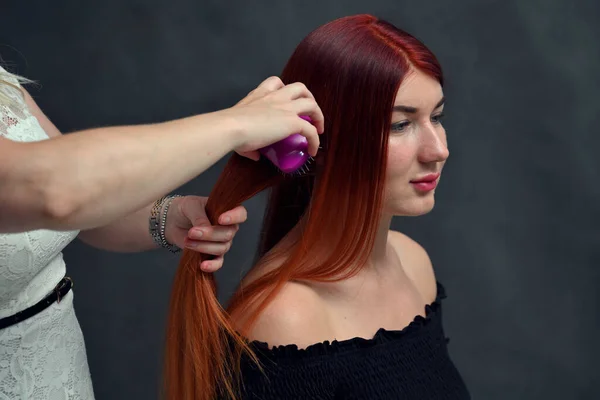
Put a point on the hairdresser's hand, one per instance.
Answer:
(189, 227)
(271, 112)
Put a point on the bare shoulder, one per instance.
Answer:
(297, 315)
(416, 263)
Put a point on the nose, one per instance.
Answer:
(434, 147)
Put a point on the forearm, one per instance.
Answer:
(125, 235)
(88, 179)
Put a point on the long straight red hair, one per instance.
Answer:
(354, 67)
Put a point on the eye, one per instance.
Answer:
(399, 126)
(437, 119)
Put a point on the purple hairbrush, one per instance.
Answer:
(290, 155)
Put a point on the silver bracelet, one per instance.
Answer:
(158, 221)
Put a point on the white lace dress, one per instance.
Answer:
(44, 356)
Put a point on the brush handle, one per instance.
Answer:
(289, 154)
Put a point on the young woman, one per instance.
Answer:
(337, 306)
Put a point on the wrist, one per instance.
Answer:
(230, 128)
(170, 225)
(158, 223)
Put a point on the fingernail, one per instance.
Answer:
(191, 245)
(197, 233)
(226, 220)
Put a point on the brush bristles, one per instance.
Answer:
(300, 171)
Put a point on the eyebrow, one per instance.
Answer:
(413, 110)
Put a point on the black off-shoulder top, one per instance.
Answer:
(412, 363)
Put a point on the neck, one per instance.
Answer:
(380, 256)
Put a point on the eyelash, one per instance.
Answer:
(399, 126)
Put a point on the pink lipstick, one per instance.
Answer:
(426, 183)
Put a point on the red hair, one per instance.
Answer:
(354, 67)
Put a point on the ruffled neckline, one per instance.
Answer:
(291, 351)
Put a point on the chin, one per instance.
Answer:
(412, 208)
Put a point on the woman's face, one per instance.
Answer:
(417, 147)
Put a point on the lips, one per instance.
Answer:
(427, 178)
(426, 183)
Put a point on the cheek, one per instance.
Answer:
(400, 160)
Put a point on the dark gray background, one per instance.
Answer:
(514, 234)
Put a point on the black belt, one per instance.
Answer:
(58, 293)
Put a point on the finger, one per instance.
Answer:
(311, 135)
(295, 91)
(253, 155)
(307, 106)
(212, 265)
(309, 129)
(269, 85)
(310, 108)
(212, 248)
(233, 217)
(193, 208)
(213, 233)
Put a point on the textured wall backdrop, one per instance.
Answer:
(514, 235)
